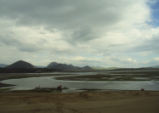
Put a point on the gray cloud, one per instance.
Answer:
(149, 45)
(22, 46)
(98, 31)
(80, 17)
(63, 12)
(83, 35)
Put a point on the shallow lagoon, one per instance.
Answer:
(51, 82)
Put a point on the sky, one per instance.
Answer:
(105, 33)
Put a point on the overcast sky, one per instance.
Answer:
(106, 33)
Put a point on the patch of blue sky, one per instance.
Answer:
(154, 13)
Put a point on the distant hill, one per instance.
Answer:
(67, 67)
(59, 66)
(105, 68)
(25, 67)
(156, 66)
(86, 68)
(2, 65)
(20, 65)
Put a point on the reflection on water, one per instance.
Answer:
(70, 73)
(32, 82)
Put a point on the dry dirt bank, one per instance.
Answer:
(86, 102)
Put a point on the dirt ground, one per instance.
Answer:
(85, 102)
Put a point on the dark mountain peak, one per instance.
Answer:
(87, 67)
(67, 67)
(21, 64)
(21, 61)
(55, 65)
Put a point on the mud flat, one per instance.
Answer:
(84, 102)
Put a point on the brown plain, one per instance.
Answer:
(85, 102)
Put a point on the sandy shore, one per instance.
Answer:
(85, 102)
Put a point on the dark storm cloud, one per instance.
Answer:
(77, 16)
(60, 11)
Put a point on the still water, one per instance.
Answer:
(51, 82)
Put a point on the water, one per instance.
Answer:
(51, 82)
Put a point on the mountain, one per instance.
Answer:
(67, 67)
(104, 68)
(21, 65)
(2, 65)
(59, 66)
(157, 66)
(86, 68)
